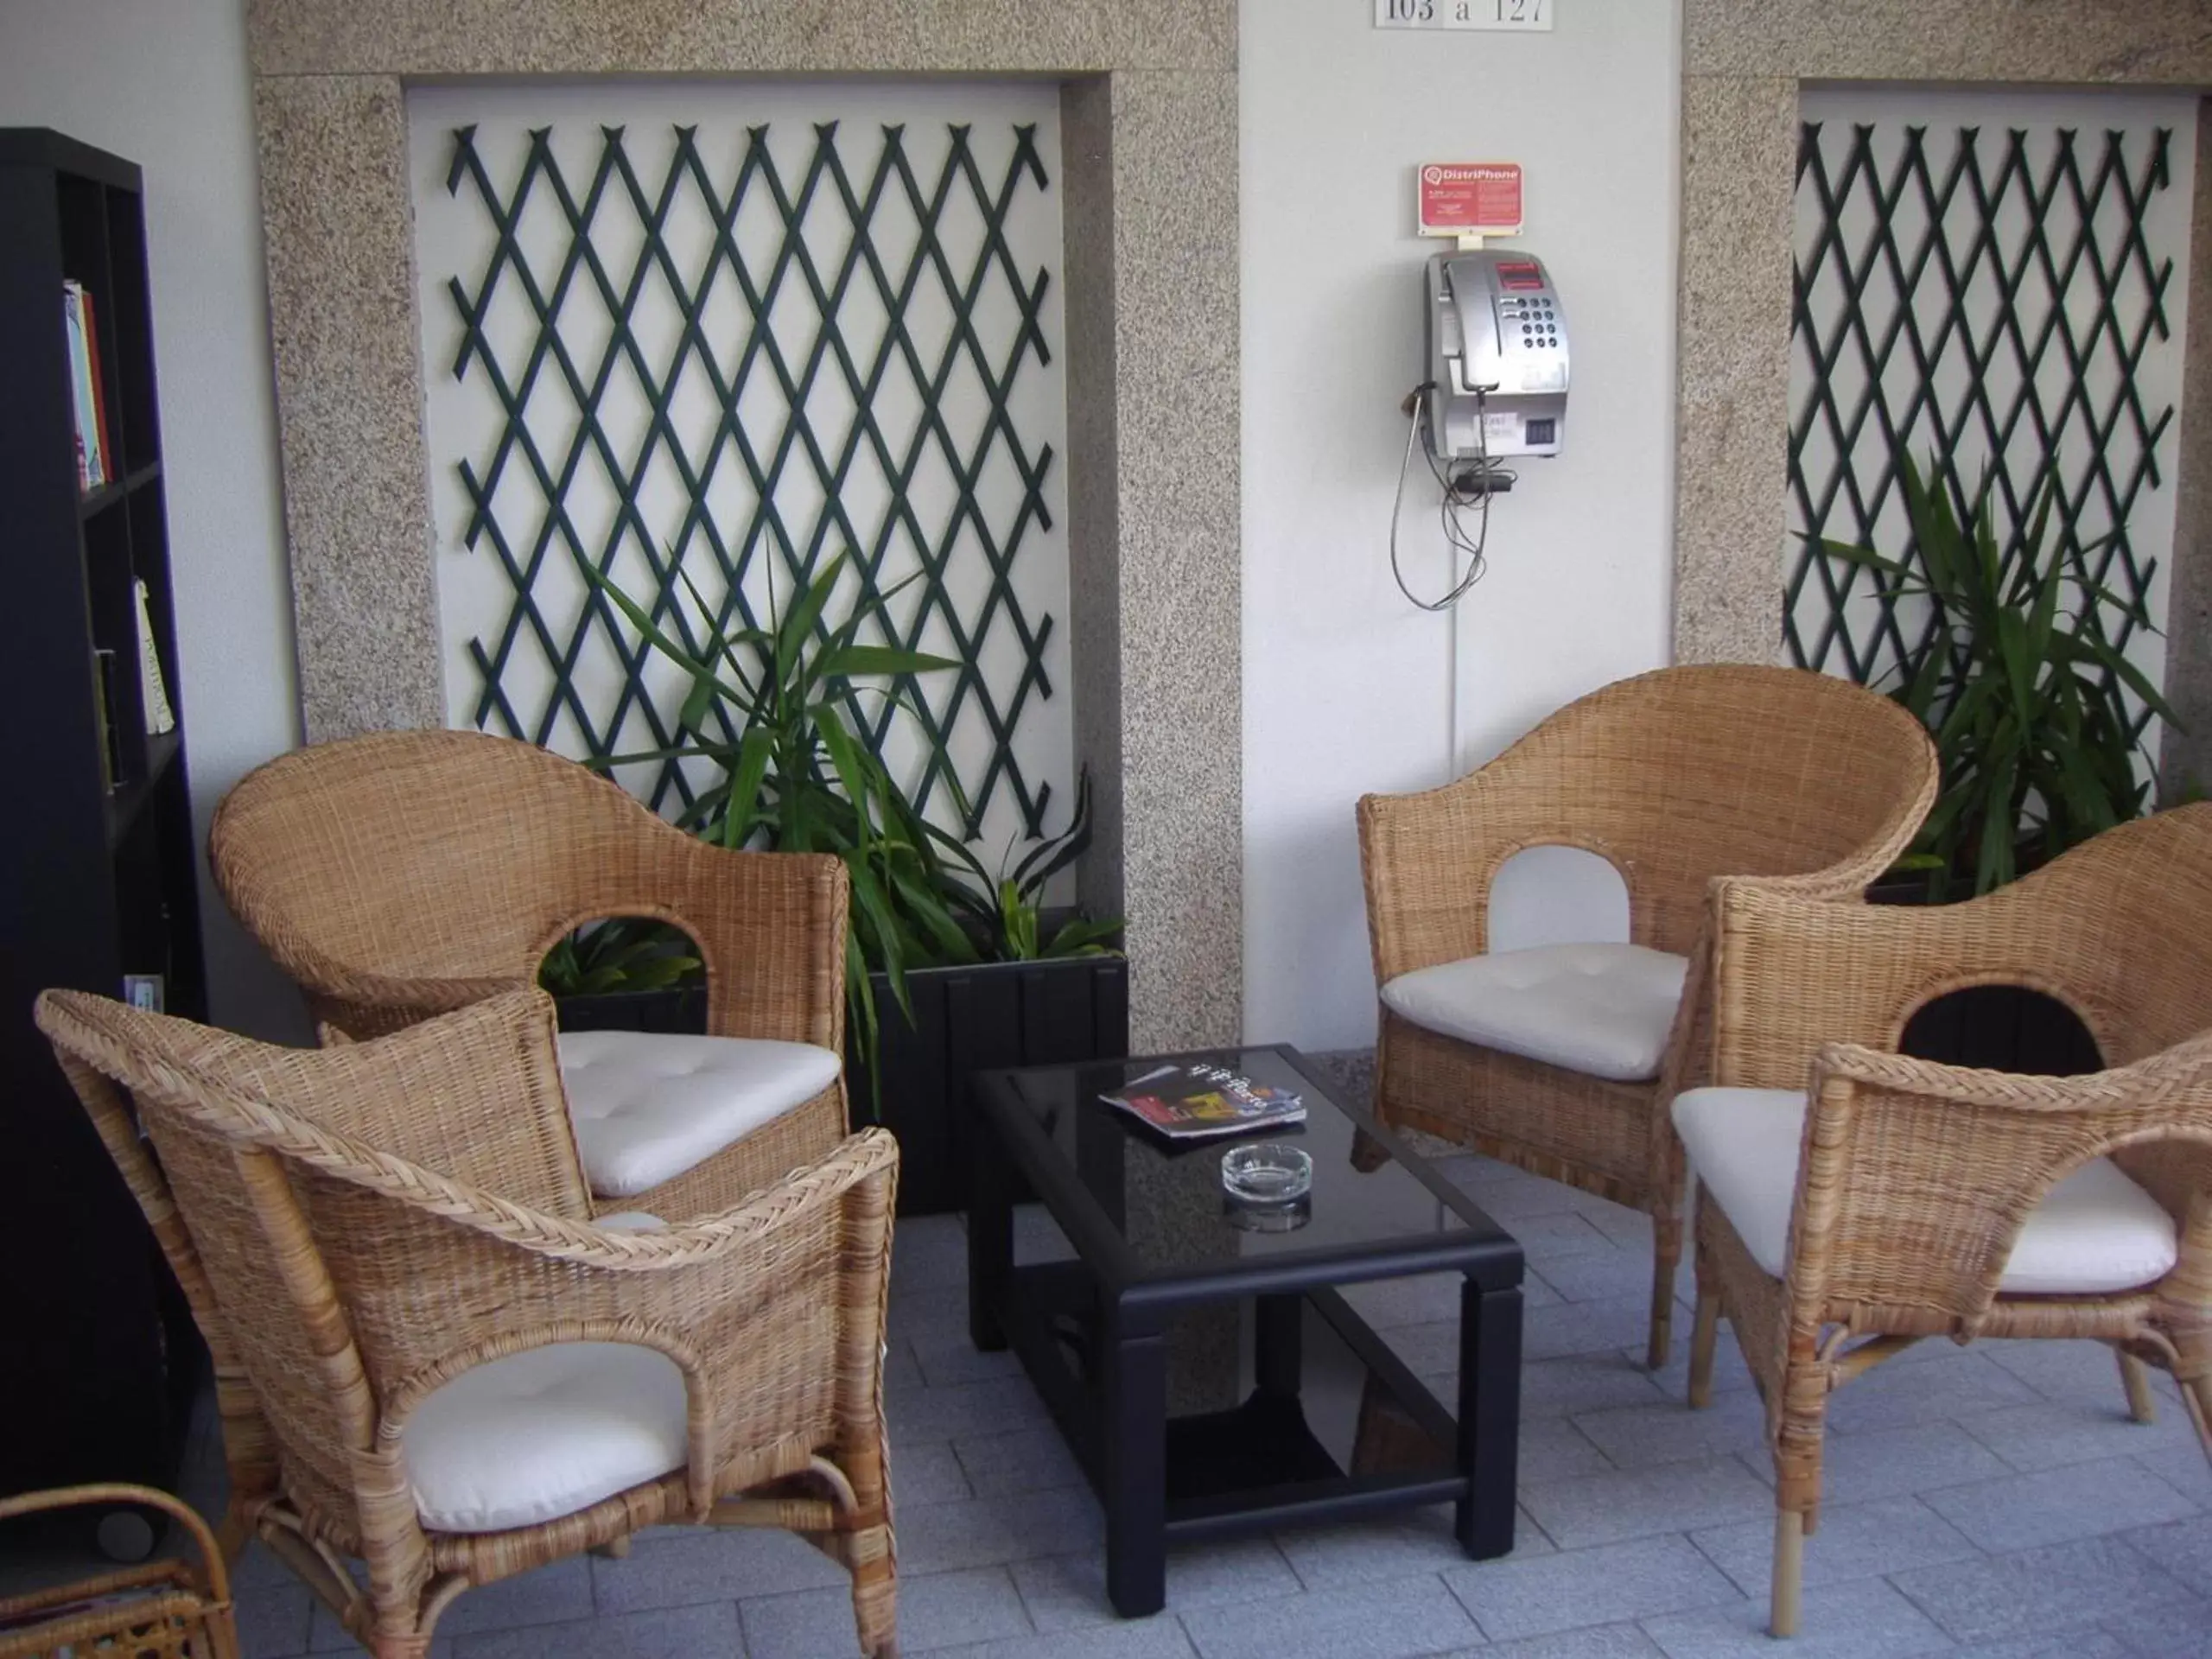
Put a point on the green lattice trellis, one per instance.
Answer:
(519, 490)
(1978, 279)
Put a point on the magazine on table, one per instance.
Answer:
(1197, 1102)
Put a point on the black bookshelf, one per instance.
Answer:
(97, 870)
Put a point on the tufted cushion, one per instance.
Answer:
(2095, 1232)
(543, 1433)
(1603, 1010)
(648, 1107)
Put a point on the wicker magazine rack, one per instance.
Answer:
(163, 1610)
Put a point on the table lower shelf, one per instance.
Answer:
(1346, 1430)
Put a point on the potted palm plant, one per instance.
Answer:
(2024, 694)
(946, 966)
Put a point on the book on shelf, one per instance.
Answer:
(153, 689)
(104, 713)
(1197, 1102)
(95, 452)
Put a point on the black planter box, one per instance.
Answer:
(966, 1018)
(1997, 1028)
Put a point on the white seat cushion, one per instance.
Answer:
(2095, 1232)
(1603, 1010)
(543, 1433)
(647, 1106)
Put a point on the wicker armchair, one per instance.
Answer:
(1911, 1199)
(436, 1360)
(1559, 1060)
(401, 875)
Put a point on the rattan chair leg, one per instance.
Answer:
(1666, 1257)
(876, 1589)
(1705, 1338)
(233, 1534)
(2135, 1377)
(401, 1647)
(1788, 1587)
(2197, 1396)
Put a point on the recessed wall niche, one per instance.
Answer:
(1146, 98)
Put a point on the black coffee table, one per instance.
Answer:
(1213, 1380)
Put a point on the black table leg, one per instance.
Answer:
(1135, 1487)
(990, 1235)
(1277, 1344)
(1489, 1416)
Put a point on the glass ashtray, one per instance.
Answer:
(1267, 1172)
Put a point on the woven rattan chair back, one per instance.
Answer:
(437, 855)
(279, 1311)
(2118, 930)
(400, 875)
(1674, 777)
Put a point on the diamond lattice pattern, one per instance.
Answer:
(1991, 296)
(709, 369)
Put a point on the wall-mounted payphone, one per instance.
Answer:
(1498, 357)
(1494, 390)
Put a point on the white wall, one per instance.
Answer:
(165, 85)
(1348, 689)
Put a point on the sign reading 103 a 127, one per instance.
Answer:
(1463, 14)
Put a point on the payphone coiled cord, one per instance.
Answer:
(1449, 504)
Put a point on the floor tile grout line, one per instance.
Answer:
(1689, 1536)
(1603, 1455)
(2139, 1459)
(1467, 1607)
(2125, 1540)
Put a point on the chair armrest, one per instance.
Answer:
(1916, 1176)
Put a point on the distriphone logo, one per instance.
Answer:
(1462, 197)
(1435, 174)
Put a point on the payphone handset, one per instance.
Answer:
(1498, 357)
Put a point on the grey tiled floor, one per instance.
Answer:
(1990, 1500)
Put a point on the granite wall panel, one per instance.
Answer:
(338, 237)
(1743, 61)
(2186, 753)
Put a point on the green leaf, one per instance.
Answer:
(930, 909)
(755, 752)
(692, 717)
(848, 661)
(1082, 937)
(793, 633)
(874, 907)
(1055, 854)
(651, 631)
(862, 775)
(1865, 556)
(1019, 921)
(2000, 826)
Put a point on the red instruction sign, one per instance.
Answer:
(1471, 199)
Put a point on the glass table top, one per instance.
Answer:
(1163, 1200)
